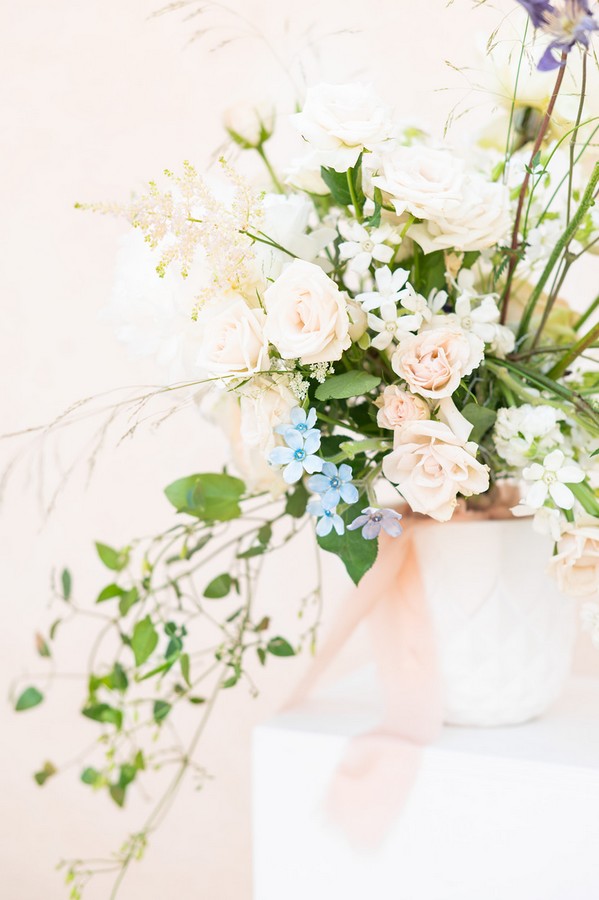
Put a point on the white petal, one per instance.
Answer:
(537, 495)
(348, 249)
(361, 262)
(561, 495)
(533, 472)
(382, 340)
(570, 475)
(382, 253)
(554, 460)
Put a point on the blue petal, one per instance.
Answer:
(330, 469)
(297, 415)
(338, 524)
(331, 498)
(311, 418)
(294, 439)
(345, 472)
(312, 442)
(319, 484)
(392, 527)
(349, 493)
(312, 464)
(324, 526)
(371, 530)
(315, 508)
(293, 472)
(358, 523)
(280, 456)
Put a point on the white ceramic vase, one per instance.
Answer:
(504, 631)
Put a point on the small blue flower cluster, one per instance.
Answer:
(332, 484)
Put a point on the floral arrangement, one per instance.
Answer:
(379, 329)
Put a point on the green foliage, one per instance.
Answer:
(91, 776)
(28, 699)
(67, 584)
(357, 554)
(481, 418)
(348, 384)
(103, 712)
(211, 497)
(116, 560)
(47, 771)
(278, 646)
(219, 587)
(161, 710)
(143, 640)
(343, 184)
(297, 500)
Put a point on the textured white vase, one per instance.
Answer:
(504, 631)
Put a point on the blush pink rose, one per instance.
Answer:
(397, 407)
(576, 563)
(430, 466)
(434, 362)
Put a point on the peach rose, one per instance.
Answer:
(576, 563)
(434, 362)
(398, 407)
(430, 466)
(306, 315)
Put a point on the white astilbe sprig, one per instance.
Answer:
(189, 216)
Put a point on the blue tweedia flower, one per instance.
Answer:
(334, 484)
(301, 421)
(327, 518)
(568, 22)
(298, 456)
(373, 520)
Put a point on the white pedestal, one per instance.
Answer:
(495, 814)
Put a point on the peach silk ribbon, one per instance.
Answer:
(372, 783)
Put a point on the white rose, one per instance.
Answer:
(576, 563)
(340, 120)
(430, 466)
(479, 220)
(397, 407)
(249, 124)
(434, 362)
(422, 181)
(265, 402)
(304, 174)
(286, 221)
(249, 461)
(306, 315)
(233, 340)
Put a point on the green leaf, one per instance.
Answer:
(161, 710)
(110, 591)
(348, 384)
(357, 554)
(117, 680)
(261, 655)
(211, 496)
(28, 699)
(41, 646)
(47, 771)
(90, 776)
(118, 794)
(113, 559)
(253, 551)
(375, 219)
(337, 185)
(102, 712)
(143, 640)
(297, 501)
(219, 587)
(127, 774)
(481, 417)
(129, 599)
(67, 584)
(185, 665)
(432, 272)
(278, 646)
(265, 533)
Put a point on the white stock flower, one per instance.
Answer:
(362, 246)
(426, 308)
(390, 288)
(340, 120)
(431, 465)
(434, 362)
(524, 433)
(306, 315)
(550, 480)
(232, 340)
(391, 325)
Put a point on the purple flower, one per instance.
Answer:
(327, 518)
(298, 456)
(372, 520)
(537, 10)
(567, 22)
(334, 484)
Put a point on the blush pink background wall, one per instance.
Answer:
(95, 98)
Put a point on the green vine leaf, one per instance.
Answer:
(278, 646)
(143, 640)
(103, 712)
(116, 560)
(348, 384)
(161, 710)
(212, 497)
(28, 699)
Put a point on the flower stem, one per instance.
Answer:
(579, 347)
(515, 245)
(275, 179)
